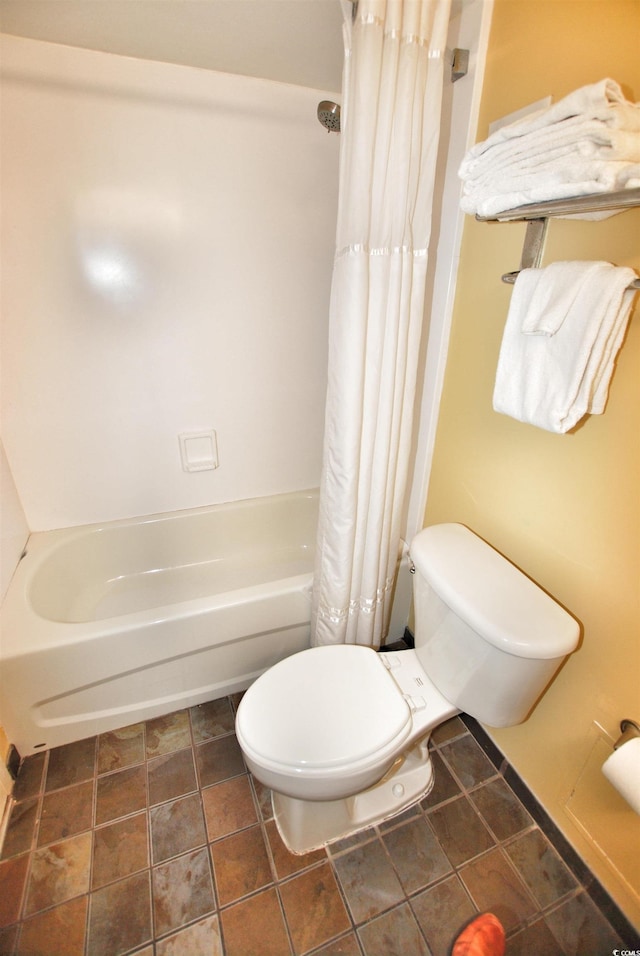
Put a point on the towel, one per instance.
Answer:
(585, 140)
(562, 180)
(564, 329)
(525, 191)
(587, 143)
(593, 101)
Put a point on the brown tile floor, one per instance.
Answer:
(155, 840)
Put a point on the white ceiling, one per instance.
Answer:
(292, 41)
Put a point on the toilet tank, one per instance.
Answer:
(488, 637)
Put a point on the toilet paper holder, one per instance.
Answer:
(629, 729)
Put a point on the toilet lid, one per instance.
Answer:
(324, 708)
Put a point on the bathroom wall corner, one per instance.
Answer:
(13, 525)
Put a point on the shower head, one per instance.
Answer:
(329, 115)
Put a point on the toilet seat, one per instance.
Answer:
(334, 713)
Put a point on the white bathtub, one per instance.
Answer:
(107, 625)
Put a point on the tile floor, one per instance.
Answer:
(155, 840)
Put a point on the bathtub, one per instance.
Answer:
(107, 625)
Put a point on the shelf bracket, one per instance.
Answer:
(459, 64)
(533, 243)
(536, 215)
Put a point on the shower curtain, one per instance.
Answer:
(392, 94)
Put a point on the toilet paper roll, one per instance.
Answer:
(622, 769)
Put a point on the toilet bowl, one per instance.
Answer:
(330, 721)
(340, 733)
(345, 742)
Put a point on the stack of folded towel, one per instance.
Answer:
(565, 327)
(587, 143)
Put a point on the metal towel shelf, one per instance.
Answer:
(600, 202)
(510, 278)
(537, 215)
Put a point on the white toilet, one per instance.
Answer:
(340, 733)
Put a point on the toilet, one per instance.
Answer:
(340, 733)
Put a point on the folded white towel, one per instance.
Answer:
(588, 102)
(556, 363)
(588, 142)
(624, 116)
(566, 169)
(616, 144)
(520, 192)
(570, 140)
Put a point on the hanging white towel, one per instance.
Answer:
(564, 329)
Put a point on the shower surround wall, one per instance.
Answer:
(167, 248)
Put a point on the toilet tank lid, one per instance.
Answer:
(491, 594)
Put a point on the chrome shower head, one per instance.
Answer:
(329, 115)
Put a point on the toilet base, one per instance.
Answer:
(306, 825)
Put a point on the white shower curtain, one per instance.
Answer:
(392, 94)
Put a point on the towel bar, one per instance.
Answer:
(510, 278)
(537, 216)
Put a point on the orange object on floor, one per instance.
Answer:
(484, 936)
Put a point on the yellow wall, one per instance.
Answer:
(6, 783)
(4, 745)
(565, 508)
